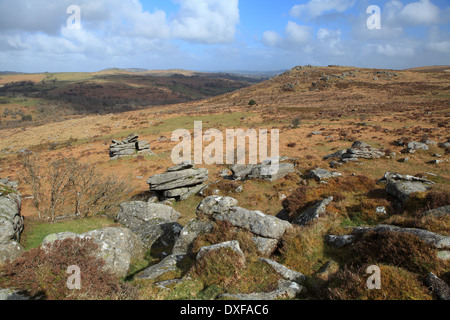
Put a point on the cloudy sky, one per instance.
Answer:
(220, 35)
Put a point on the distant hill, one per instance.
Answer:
(431, 69)
(8, 73)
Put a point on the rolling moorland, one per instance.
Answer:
(381, 199)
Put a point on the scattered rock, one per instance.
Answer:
(339, 241)
(285, 272)
(263, 171)
(231, 245)
(438, 212)
(167, 265)
(322, 174)
(286, 289)
(440, 289)
(403, 190)
(327, 270)
(313, 212)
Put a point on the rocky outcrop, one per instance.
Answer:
(179, 182)
(130, 146)
(11, 221)
(413, 146)
(118, 247)
(313, 212)
(261, 225)
(359, 150)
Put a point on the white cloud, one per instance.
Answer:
(272, 38)
(315, 8)
(295, 37)
(207, 21)
(422, 12)
(394, 51)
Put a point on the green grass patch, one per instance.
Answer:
(36, 231)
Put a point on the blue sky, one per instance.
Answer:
(221, 35)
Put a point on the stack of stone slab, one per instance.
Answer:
(129, 147)
(359, 150)
(179, 182)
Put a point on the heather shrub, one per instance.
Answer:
(397, 249)
(350, 283)
(42, 272)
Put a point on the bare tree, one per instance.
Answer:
(32, 177)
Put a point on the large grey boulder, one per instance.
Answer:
(436, 240)
(403, 190)
(158, 233)
(134, 214)
(269, 169)
(118, 247)
(154, 223)
(265, 246)
(11, 221)
(177, 179)
(414, 145)
(189, 233)
(10, 251)
(313, 212)
(225, 209)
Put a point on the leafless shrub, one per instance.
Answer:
(68, 187)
